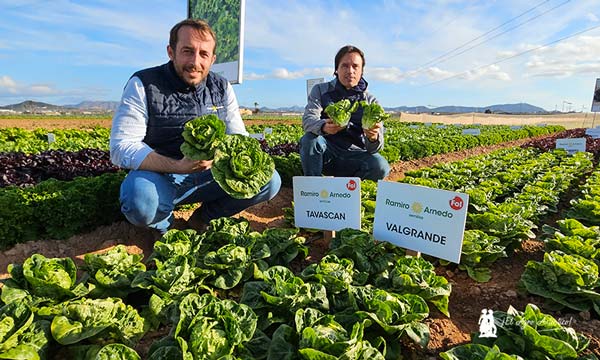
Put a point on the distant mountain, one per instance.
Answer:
(519, 108)
(96, 105)
(111, 106)
(40, 107)
(32, 106)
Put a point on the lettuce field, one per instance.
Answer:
(79, 282)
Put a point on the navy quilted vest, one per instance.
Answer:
(172, 102)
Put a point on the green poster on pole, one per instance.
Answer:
(226, 17)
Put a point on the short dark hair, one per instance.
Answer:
(200, 26)
(347, 50)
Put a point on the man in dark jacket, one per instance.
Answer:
(147, 132)
(329, 149)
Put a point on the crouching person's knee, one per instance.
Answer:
(139, 211)
(141, 203)
(273, 185)
(378, 168)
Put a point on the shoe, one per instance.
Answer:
(195, 222)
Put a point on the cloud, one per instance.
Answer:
(487, 72)
(382, 74)
(592, 17)
(435, 73)
(285, 74)
(7, 82)
(102, 33)
(300, 32)
(9, 87)
(580, 55)
(385, 74)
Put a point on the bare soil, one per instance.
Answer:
(467, 300)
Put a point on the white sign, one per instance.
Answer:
(593, 132)
(413, 126)
(419, 218)
(441, 126)
(471, 132)
(260, 136)
(516, 127)
(596, 98)
(326, 203)
(268, 130)
(572, 145)
(427, 124)
(312, 82)
(51, 138)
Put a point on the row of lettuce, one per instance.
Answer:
(229, 293)
(55, 209)
(510, 192)
(225, 293)
(568, 275)
(405, 140)
(567, 280)
(28, 157)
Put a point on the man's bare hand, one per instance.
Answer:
(331, 128)
(373, 133)
(163, 164)
(191, 166)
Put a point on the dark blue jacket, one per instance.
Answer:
(353, 134)
(172, 102)
(352, 137)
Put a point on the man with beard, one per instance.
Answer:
(147, 130)
(329, 149)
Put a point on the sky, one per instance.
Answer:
(429, 53)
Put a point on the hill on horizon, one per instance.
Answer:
(109, 106)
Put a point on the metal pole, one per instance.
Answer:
(594, 120)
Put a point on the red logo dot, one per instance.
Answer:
(457, 203)
(351, 185)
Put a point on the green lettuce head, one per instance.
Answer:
(372, 114)
(341, 111)
(240, 166)
(201, 137)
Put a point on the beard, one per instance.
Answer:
(190, 74)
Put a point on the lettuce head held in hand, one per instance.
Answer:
(240, 166)
(372, 114)
(201, 137)
(341, 111)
